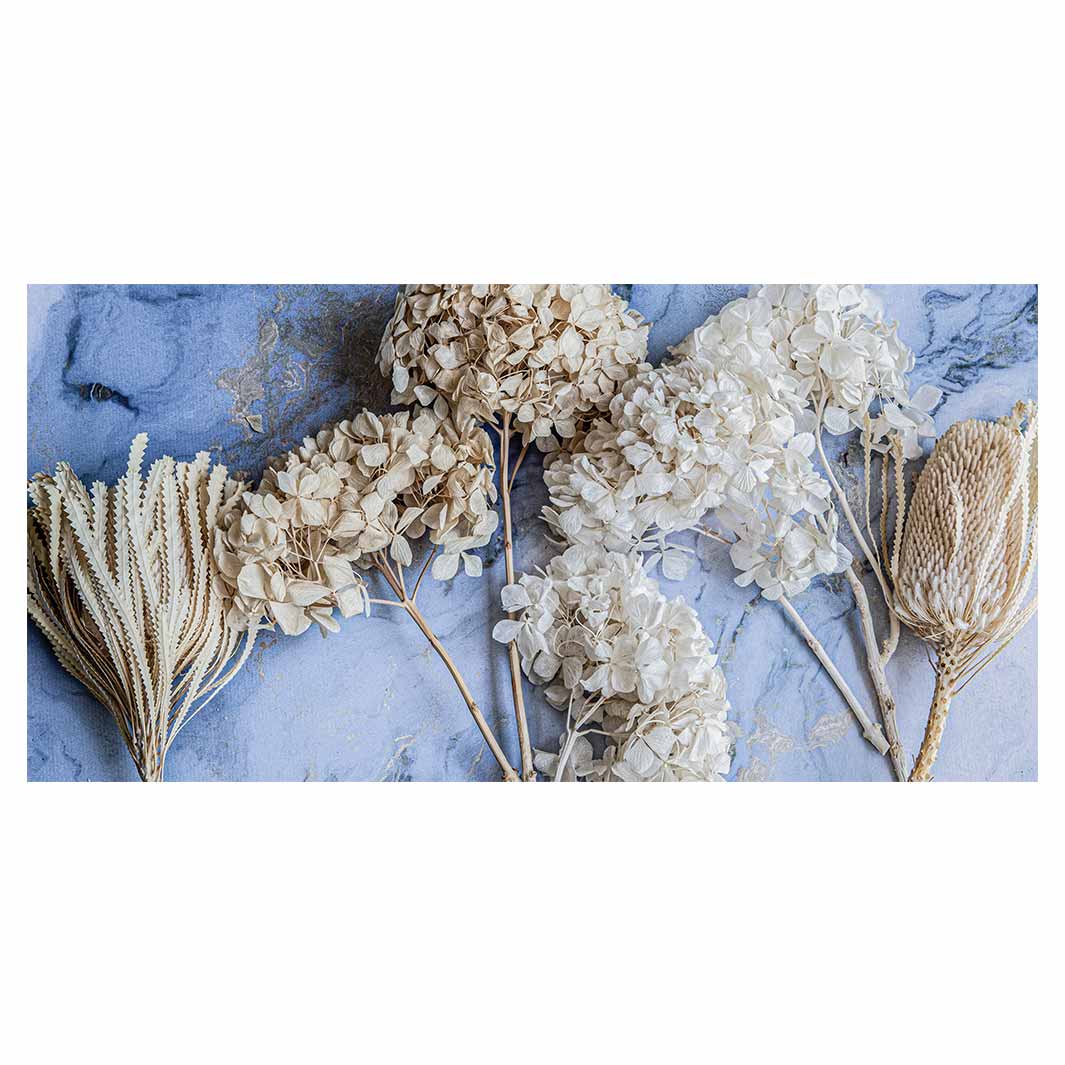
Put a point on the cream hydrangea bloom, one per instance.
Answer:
(628, 663)
(548, 354)
(359, 487)
(726, 425)
(849, 358)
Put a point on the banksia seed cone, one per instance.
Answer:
(967, 552)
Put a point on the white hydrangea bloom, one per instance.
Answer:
(726, 425)
(630, 665)
(549, 354)
(835, 337)
(356, 488)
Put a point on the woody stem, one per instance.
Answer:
(475, 711)
(946, 678)
(870, 730)
(527, 770)
(875, 661)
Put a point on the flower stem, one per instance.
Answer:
(946, 677)
(475, 711)
(876, 661)
(870, 730)
(527, 770)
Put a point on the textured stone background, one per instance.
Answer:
(198, 366)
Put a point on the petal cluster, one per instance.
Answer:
(550, 355)
(372, 484)
(723, 426)
(850, 360)
(630, 664)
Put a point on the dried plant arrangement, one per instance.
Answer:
(532, 362)
(728, 426)
(628, 665)
(351, 500)
(122, 583)
(965, 553)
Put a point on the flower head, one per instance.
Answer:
(550, 355)
(726, 425)
(368, 485)
(594, 628)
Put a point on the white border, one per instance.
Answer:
(643, 142)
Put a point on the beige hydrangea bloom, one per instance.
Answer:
(291, 552)
(550, 355)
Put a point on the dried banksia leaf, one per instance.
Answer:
(122, 582)
(966, 556)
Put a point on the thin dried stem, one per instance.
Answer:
(875, 660)
(517, 465)
(571, 739)
(419, 619)
(528, 772)
(870, 730)
(841, 496)
(424, 570)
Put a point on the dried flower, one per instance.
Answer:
(729, 425)
(628, 663)
(547, 354)
(122, 583)
(716, 429)
(965, 553)
(360, 487)
(850, 361)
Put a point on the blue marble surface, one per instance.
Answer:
(199, 366)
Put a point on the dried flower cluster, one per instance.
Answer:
(852, 363)
(629, 664)
(123, 585)
(547, 354)
(727, 424)
(966, 551)
(368, 485)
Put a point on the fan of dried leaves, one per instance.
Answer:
(122, 583)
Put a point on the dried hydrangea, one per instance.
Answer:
(717, 430)
(629, 665)
(849, 359)
(368, 485)
(726, 425)
(548, 354)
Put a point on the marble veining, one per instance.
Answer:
(246, 371)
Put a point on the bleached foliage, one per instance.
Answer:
(123, 584)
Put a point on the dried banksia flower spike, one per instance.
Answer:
(967, 554)
(123, 585)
